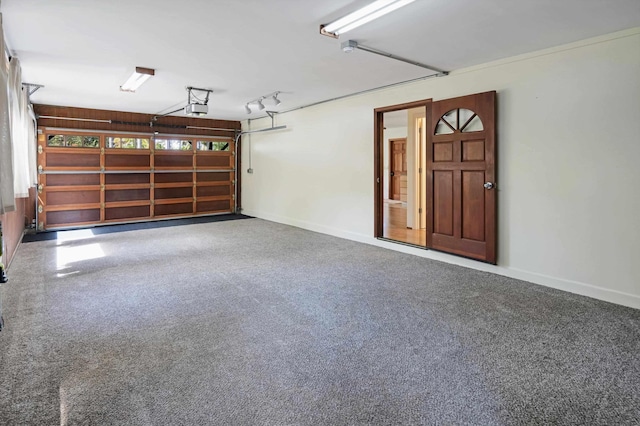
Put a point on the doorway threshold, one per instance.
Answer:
(389, 240)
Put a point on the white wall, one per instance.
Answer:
(568, 182)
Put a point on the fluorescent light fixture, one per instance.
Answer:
(139, 76)
(362, 16)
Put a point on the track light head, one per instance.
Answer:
(259, 101)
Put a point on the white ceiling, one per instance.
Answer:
(83, 50)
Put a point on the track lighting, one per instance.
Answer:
(259, 102)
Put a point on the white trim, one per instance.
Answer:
(570, 286)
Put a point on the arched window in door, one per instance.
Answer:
(459, 120)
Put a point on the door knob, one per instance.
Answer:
(489, 185)
(393, 174)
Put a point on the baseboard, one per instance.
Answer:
(310, 226)
(576, 287)
(583, 289)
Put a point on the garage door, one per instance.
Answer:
(93, 178)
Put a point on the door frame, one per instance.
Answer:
(378, 166)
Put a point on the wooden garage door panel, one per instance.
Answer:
(127, 178)
(170, 209)
(73, 180)
(213, 177)
(166, 193)
(213, 206)
(130, 161)
(174, 160)
(120, 213)
(114, 195)
(173, 177)
(57, 218)
(72, 160)
(60, 198)
(214, 161)
(213, 191)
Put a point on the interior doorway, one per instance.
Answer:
(451, 173)
(403, 214)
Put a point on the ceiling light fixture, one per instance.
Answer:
(259, 102)
(362, 16)
(139, 76)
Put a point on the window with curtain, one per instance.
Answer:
(7, 199)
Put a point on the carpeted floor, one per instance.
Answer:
(255, 323)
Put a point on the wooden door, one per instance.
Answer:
(93, 178)
(461, 172)
(398, 169)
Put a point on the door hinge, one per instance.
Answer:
(420, 170)
(420, 210)
(377, 180)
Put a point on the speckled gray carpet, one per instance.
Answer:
(255, 323)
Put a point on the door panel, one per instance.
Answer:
(119, 213)
(443, 200)
(82, 196)
(472, 205)
(443, 152)
(64, 217)
(398, 169)
(461, 159)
